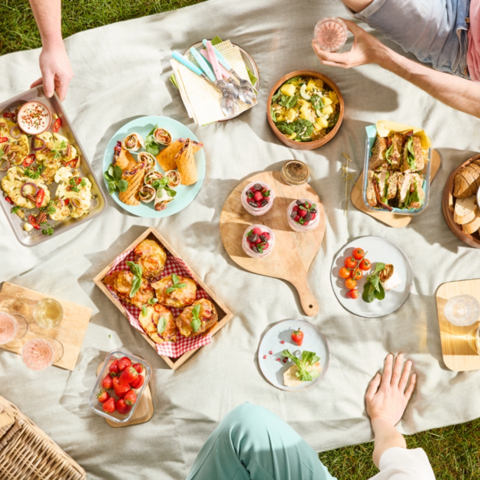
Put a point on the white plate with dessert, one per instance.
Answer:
(293, 355)
(382, 277)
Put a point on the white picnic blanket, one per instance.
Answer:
(121, 72)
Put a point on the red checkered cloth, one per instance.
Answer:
(172, 265)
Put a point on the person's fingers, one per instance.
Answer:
(373, 387)
(62, 87)
(340, 59)
(36, 83)
(353, 27)
(387, 371)
(411, 387)
(397, 370)
(323, 54)
(48, 83)
(404, 379)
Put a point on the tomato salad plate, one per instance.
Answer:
(371, 277)
(154, 167)
(293, 355)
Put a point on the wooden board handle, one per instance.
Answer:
(309, 304)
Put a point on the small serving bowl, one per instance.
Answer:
(22, 110)
(249, 251)
(296, 227)
(97, 407)
(315, 143)
(257, 212)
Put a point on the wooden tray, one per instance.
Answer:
(390, 219)
(144, 411)
(448, 206)
(224, 314)
(70, 332)
(293, 252)
(458, 354)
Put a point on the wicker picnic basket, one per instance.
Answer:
(26, 452)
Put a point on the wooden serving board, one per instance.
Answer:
(390, 219)
(143, 412)
(70, 332)
(457, 345)
(293, 252)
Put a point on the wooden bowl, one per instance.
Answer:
(315, 143)
(448, 206)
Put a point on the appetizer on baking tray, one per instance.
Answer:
(133, 171)
(168, 302)
(36, 159)
(395, 176)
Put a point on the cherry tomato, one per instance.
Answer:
(345, 272)
(28, 160)
(350, 262)
(57, 125)
(365, 264)
(357, 274)
(353, 294)
(358, 254)
(350, 283)
(39, 198)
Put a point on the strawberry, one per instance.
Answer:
(258, 197)
(109, 405)
(107, 382)
(123, 363)
(122, 407)
(138, 367)
(305, 223)
(128, 376)
(295, 208)
(302, 213)
(257, 231)
(138, 382)
(130, 398)
(103, 396)
(313, 215)
(297, 337)
(297, 218)
(113, 368)
(120, 389)
(266, 235)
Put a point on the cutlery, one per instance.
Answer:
(234, 87)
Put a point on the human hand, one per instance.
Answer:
(56, 70)
(366, 49)
(388, 394)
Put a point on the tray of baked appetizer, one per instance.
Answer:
(461, 202)
(398, 166)
(47, 183)
(154, 167)
(162, 298)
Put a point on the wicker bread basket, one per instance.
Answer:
(26, 452)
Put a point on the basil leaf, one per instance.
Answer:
(379, 267)
(368, 293)
(112, 187)
(153, 301)
(175, 279)
(117, 173)
(175, 287)
(122, 185)
(162, 325)
(380, 294)
(136, 284)
(196, 324)
(144, 311)
(107, 176)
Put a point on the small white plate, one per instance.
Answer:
(377, 250)
(271, 341)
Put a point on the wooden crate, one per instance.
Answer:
(224, 314)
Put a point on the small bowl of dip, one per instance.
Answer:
(34, 118)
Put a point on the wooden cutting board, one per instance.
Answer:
(70, 332)
(293, 252)
(457, 342)
(390, 219)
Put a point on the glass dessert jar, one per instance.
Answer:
(295, 173)
(257, 198)
(302, 215)
(258, 241)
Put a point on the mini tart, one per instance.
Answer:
(121, 283)
(179, 297)
(151, 257)
(149, 323)
(208, 316)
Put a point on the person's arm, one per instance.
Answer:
(386, 399)
(456, 92)
(54, 64)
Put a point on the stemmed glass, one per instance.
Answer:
(13, 326)
(39, 353)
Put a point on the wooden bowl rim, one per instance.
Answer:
(321, 141)
(469, 240)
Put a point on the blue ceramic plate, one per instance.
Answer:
(278, 338)
(185, 195)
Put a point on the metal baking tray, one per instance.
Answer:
(35, 237)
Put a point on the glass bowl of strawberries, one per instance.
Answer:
(257, 198)
(258, 241)
(302, 215)
(119, 386)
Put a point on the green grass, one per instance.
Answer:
(453, 451)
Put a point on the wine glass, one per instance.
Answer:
(39, 353)
(12, 327)
(462, 310)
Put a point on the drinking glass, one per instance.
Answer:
(330, 34)
(462, 310)
(474, 339)
(48, 313)
(12, 327)
(39, 353)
